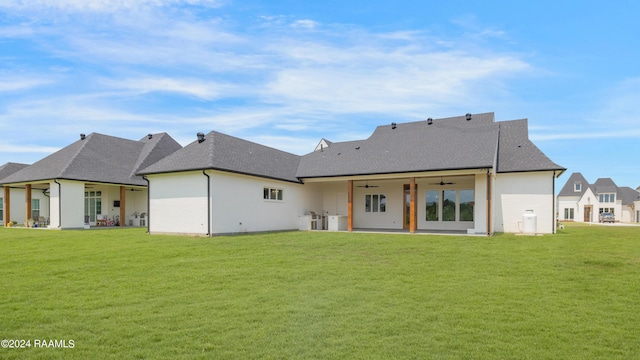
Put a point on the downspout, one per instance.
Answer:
(204, 172)
(148, 203)
(553, 203)
(59, 203)
(488, 202)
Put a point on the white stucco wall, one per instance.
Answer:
(569, 202)
(392, 218)
(239, 206)
(515, 193)
(72, 205)
(178, 203)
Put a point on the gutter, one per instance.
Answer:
(148, 204)
(204, 172)
(59, 203)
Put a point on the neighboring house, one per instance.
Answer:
(583, 202)
(468, 174)
(16, 207)
(92, 181)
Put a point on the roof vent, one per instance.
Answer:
(429, 121)
(468, 116)
(150, 136)
(200, 137)
(83, 136)
(394, 125)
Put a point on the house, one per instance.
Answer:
(467, 174)
(580, 201)
(92, 181)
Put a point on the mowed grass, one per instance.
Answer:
(312, 295)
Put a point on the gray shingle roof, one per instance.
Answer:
(447, 144)
(516, 153)
(605, 185)
(227, 153)
(99, 158)
(568, 188)
(628, 195)
(10, 168)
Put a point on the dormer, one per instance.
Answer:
(577, 187)
(323, 144)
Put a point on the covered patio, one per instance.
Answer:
(443, 202)
(84, 204)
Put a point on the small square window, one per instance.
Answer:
(577, 187)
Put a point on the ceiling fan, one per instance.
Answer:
(442, 183)
(366, 186)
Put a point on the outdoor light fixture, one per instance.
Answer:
(200, 137)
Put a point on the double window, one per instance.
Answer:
(568, 213)
(450, 205)
(375, 203)
(269, 193)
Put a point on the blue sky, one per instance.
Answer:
(288, 73)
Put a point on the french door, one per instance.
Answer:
(92, 206)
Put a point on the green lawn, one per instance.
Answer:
(123, 294)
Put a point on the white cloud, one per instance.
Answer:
(595, 134)
(107, 6)
(305, 24)
(207, 90)
(32, 148)
(17, 84)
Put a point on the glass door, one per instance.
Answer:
(92, 206)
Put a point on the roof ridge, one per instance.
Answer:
(144, 155)
(85, 141)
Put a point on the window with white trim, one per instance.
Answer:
(568, 213)
(577, 187)
(607, 198)
(35, 209)
(269, 193)
(375, 203)
(450, 205)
